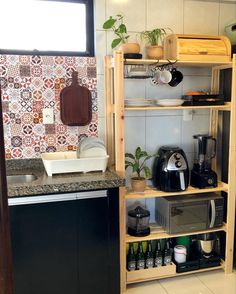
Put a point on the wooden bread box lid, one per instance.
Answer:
(197, 48)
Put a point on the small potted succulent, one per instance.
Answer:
(154, 40)
(137, 162)
(116, 23)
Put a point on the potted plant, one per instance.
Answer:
(137, 162)
(119, 28)
(154, 39)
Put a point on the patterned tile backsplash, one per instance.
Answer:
(31, 83)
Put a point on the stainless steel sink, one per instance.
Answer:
(20, 179)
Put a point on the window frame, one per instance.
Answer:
(89, 8)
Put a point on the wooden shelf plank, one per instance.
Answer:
(226, 64)
(161, 234)
(226, 106)
(153, 193)
(132, 281)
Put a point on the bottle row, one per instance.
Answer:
(187, 252)
(153, 256)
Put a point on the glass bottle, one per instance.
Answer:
(131, 261)
(140, 261)
(158, 260)
(167, 253)
(149, 260)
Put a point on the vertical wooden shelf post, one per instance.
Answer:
(231, 177)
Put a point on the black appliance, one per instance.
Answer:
(180, 214)
(138, 222)
(170, 170)
(202, 175)
(203, 99)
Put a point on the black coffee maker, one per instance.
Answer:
(202, 175)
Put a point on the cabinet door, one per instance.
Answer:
(44, 244)
(93, 243)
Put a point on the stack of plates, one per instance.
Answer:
(170, 102)
(91, 147)
(139, 102)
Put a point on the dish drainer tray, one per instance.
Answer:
(67, 162)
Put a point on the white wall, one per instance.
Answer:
(151, 129)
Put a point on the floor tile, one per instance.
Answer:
(185, 285)
(146, 288)
(218, 282)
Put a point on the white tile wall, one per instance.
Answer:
(133, 11)
(101, 39)
(227, 16)
(165, 13)
(162, 130)
(100, 13)
(201, 17)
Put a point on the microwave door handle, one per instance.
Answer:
(213, 213)
(182, 181)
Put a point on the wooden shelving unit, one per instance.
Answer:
(115, 111)
(163, 235)
(150, 192)
(226, 106)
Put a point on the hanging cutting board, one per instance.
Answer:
(76, 104)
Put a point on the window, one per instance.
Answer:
(47, 27)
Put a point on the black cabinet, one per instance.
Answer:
(69, 246)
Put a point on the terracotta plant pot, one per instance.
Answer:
(154, 52)
(138, 184)
(130, 48)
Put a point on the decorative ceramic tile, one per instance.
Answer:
(50, 129)
(31, 83)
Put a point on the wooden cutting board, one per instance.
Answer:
(75, 104)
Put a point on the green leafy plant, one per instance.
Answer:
(155, 36)
(137, 162)
(119, 28)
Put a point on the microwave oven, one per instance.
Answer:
(189, 213)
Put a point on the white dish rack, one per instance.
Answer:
(67, 162)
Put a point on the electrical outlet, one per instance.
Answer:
(187, 114)
(48, 116)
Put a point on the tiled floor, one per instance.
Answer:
(214, 282)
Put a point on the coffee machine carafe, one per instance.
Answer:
(202, 175)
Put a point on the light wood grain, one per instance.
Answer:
(151, 192)
(109, 134)
(157, 277)
(119, 111)
(226, 106)
(197, 47)
(231, 177)
(154, 235)
(152, 273)
(180, 63)
(115, 93)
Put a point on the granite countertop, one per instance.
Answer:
(61, 183)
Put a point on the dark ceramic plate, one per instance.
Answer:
(133, 56)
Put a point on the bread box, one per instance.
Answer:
(197, 48)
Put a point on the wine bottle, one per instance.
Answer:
(158, 261)
(140, 261)
(167, 253)
(131, 261)
(149, 260)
